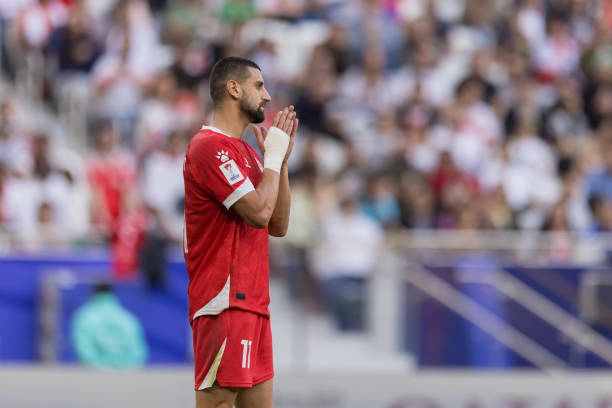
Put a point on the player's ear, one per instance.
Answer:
(233, 89)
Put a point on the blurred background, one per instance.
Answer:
(449, 242)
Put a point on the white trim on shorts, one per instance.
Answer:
(211, 375)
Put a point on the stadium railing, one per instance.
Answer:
(495, 299)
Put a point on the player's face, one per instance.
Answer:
(255, 96)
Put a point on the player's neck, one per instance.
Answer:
(230, 123)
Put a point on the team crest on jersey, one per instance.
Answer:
(231, 172)
(223, 156)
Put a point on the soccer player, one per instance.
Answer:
(232, 203)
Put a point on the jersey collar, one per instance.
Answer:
(214, 129)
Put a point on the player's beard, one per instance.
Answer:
(255, 114)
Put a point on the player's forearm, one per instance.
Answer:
(279, 222)
(257, 207)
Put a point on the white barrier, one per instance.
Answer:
(56, 387)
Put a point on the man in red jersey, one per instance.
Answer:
(232, 203)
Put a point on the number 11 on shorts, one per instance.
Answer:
(246, 353)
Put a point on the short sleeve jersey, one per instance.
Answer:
(227, 260)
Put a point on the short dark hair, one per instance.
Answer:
(102, 287)
(235, 68)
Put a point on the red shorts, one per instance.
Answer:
(233, 348)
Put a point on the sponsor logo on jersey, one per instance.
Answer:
(231, 172)
(246, 163)
(223, 156)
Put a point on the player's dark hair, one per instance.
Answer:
(102, 287)
(226, 69)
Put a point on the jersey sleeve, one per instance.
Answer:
(218, 168)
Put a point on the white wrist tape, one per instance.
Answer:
(276, 145)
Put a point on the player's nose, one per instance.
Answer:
(266, 96)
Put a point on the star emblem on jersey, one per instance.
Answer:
(222, 155)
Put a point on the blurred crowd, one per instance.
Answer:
(441, 114)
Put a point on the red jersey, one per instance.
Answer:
(112, 176)
(227, 260)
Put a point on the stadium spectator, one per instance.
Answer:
(558, 54)
(602, 214)
(3, 178)
(565, 123)
(118, 84)
(363, 89)
(111, 172)
(180, 19)
(50, 196)
(452, 188)
(477, 128)
(158, 116)
(599, 182)
(36, 22)
(380, 202)
(75, 44)
(344, 260)
(163, 194)
(105, 334)
(14, 149)
(334, 49)
(302, 235)
(416, 202)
